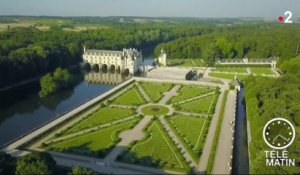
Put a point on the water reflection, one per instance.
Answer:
(104, 78)
(26, 111)
(240, 154)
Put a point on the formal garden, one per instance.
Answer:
(240, 72)
(186, 113)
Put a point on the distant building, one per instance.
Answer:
(129, 59)
(162, 59)
(245, 61)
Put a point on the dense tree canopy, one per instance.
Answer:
(29, 52)
(7, 164)
(36, 163)
(77, 170)
(268, 98)
(237, 42)
(61, 79)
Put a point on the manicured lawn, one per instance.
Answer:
(102, 116)
(155, 110)
(261, 71)
(201, 105)
(131, 97)
(155, 90)
(227, 76)
(191, 131)
(160, 148)
(91, 143)
(187, 92)
(186, 62)
(230, 70)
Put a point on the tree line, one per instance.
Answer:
(37, 163)
(237, 42)
(28, 52)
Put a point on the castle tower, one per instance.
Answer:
(162, 59)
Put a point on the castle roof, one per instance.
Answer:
(92, 51)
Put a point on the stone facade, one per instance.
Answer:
(246, 61)
(129, 59)
(162, 59)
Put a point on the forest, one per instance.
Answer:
(237, 42)
(28, 52)
(268, 98)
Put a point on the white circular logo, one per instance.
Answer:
(279, 133)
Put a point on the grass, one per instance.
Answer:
(230, 70)
(102, 116)
(227, 76)
(212, 153)
(130, 97)
(160, 147)
(191, 133)
(201, 105)
(155, 110)
(156, 90)
(94, 142)
(262, 71)
(186, 62)
(187, 92)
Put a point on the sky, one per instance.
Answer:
(151, 8)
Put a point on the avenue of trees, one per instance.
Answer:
(268, 98)
(236, 42)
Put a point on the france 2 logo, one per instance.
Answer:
(287, 18)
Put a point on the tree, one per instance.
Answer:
(77, 170)
(36, 163)
(61, 79)
(212, 53)
(48, 85)
(7, 164)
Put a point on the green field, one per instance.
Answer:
(155, 90)
(130, 97)
(227, 76)
(230, 70)
(159, 147)
(102, 116)
(262, 71)
(93, 142)
(187, 92)
(201, 105)
(186, 62)
(191, 131)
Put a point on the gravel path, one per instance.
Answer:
(209, 138)
(195, 98)
(127, 137)
(169, 95)
(147, 98)
(223, 155)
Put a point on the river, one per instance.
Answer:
(22, 110)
